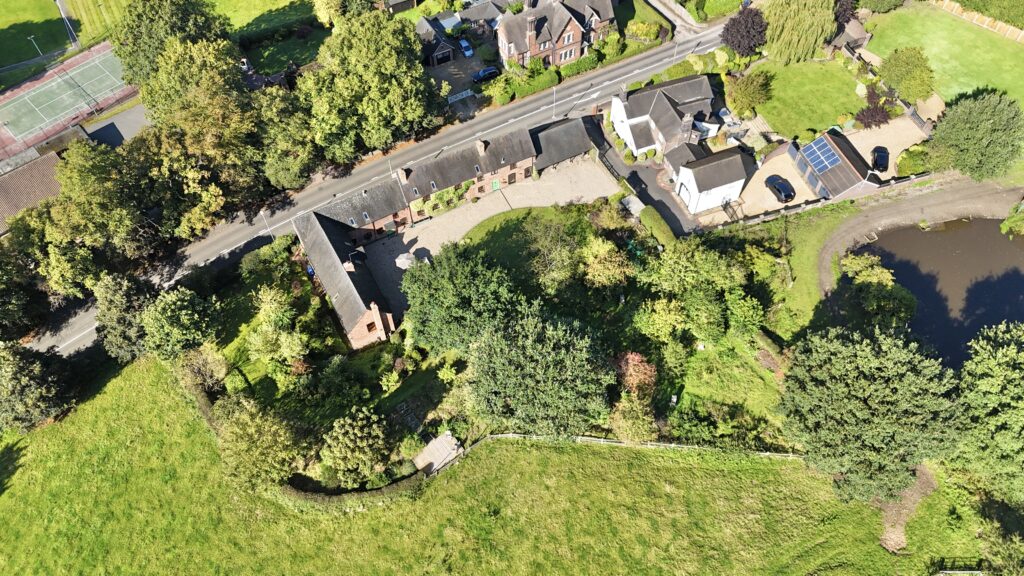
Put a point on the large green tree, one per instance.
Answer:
(147, 25)
(797, 28)
(539, 376)
(257, 446)
(21, 301)
(748, 92)
(870, 297)
(981, 135)
(992, 449)
(30, 389)
(868, 409)
(907, 70)
(179, 319)
(355, 449)
(360, 107)
(120, 300)
(455, 297)
(289, 152)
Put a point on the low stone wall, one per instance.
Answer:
(1002, 28)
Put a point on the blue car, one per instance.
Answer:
(485, 74)
(467, 50)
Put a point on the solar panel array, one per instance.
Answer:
(821, 155)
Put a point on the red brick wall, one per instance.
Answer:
(363, 336)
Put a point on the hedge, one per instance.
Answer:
(249, 37)
(656, 225)
(356, 500)
(542, 81)
(585, 64)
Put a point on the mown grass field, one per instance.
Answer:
(963, 55)
(23, 18)
(131, 482)
(96, 19)
(808, 95)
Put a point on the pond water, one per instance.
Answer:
(965, 275)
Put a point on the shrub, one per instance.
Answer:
(268, 262)
(515, 7)
(914, 160)
(541, 81)
(355, 449)
(651, 153)
(202, 368)
(257, 446)
(632, 419)
(584, 64)
(907, 70)
(677, 70)
(656, 225)
(881, 5)
(629, 158)
(642, 31)
(177, 321)
(807, 136)
(748, 92)
(488, 54)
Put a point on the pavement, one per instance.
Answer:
(577, 96)
(581, 180)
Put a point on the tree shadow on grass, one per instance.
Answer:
(10, 458)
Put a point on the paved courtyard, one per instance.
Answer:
(896, 136)
(576, 181)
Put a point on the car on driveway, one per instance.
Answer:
(485, 74)
(880, 159)
(782, 189)
(467, 50)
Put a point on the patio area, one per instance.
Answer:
(756, 198)
(896, 136)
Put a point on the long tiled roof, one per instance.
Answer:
(560, 141)
(721, 168)
(27, 186)
(551, 17)
(457, 166)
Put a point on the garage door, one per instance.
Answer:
(443, 57)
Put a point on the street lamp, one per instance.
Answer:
(267, 224)
(32, 38)
(554, 92)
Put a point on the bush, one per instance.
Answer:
(355, 449)
(585, 64)
(488, 54)
(651, 153)
(202, 369)
(515, 7)
(629, 158)
(677, 70)
(642, 31)
(656, 225)
(29, 388)
(907, 70)
(256, 445)
(807, 136)
(177, 321)
(914, 160)
(541, 81)
(268, 262)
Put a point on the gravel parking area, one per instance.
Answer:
(577, 181)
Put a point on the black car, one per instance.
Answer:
(485, 74)
(880, 159)
(782, 189)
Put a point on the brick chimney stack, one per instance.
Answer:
(531, 30)
(403, 175)
(481, 147)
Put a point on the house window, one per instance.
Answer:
(512, 49)
(544, 45)
(568, 39)
(567, 55)
(433, 186)
(502, 159)
(366, 216)
(512, 166)
(371, 327)
(477, 168)
(352, 221)
(415, 191)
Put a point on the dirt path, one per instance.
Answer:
(958, 198)
(896, 514)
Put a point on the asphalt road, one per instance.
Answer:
(573, 97)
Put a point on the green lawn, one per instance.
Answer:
(274, 57)
(131, 482)
(728, 373)
(259, 13)
(713, 9)
(23, 18)
(964, 56)
(96, 18)
(628, 10)
(421, 9)
(808, 95)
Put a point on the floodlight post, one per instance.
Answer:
(554, 94)
(67, 25)
(267, 224)
(32, 38)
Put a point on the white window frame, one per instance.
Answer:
(366, 216)
(567, 39)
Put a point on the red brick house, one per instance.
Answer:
(557, 31)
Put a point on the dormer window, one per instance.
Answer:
(433, 186)
(415, 191)
(477, 168)
(502, 159)
(366, 216)
(352, 222)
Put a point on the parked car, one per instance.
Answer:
(467, 50)
(782, 189)
(880, 159)
(485, 74)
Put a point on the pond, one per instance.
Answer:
(965, 275)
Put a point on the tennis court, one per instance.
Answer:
(69, 92)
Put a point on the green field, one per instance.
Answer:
(808, 95)
(23, 18)
(713, 9)
(963, 55)
(274, 57)
(96, 19)
(131, 482)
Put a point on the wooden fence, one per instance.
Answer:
(1002, 28)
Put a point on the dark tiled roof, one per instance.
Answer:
(689, 95)
(721, 168)
(328, 247)
(27, 186)
(457, 166)
(550, 19)
(378, 201)
(433, 37)
(847, 173)
(488, 11)
(683, 155)
(560, 141)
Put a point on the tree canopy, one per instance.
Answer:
(992, 449)
(176, 321)
(981, 135)
(745, 32)
(147, 25)
(748, 92)
(797, 28)
(355, 448)
(907, 70)
(120, 300)
(257, 446)
(868, 409)
(455, 297)
(540, 376)
(356, 107)
(289, 152)
(30, 389)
